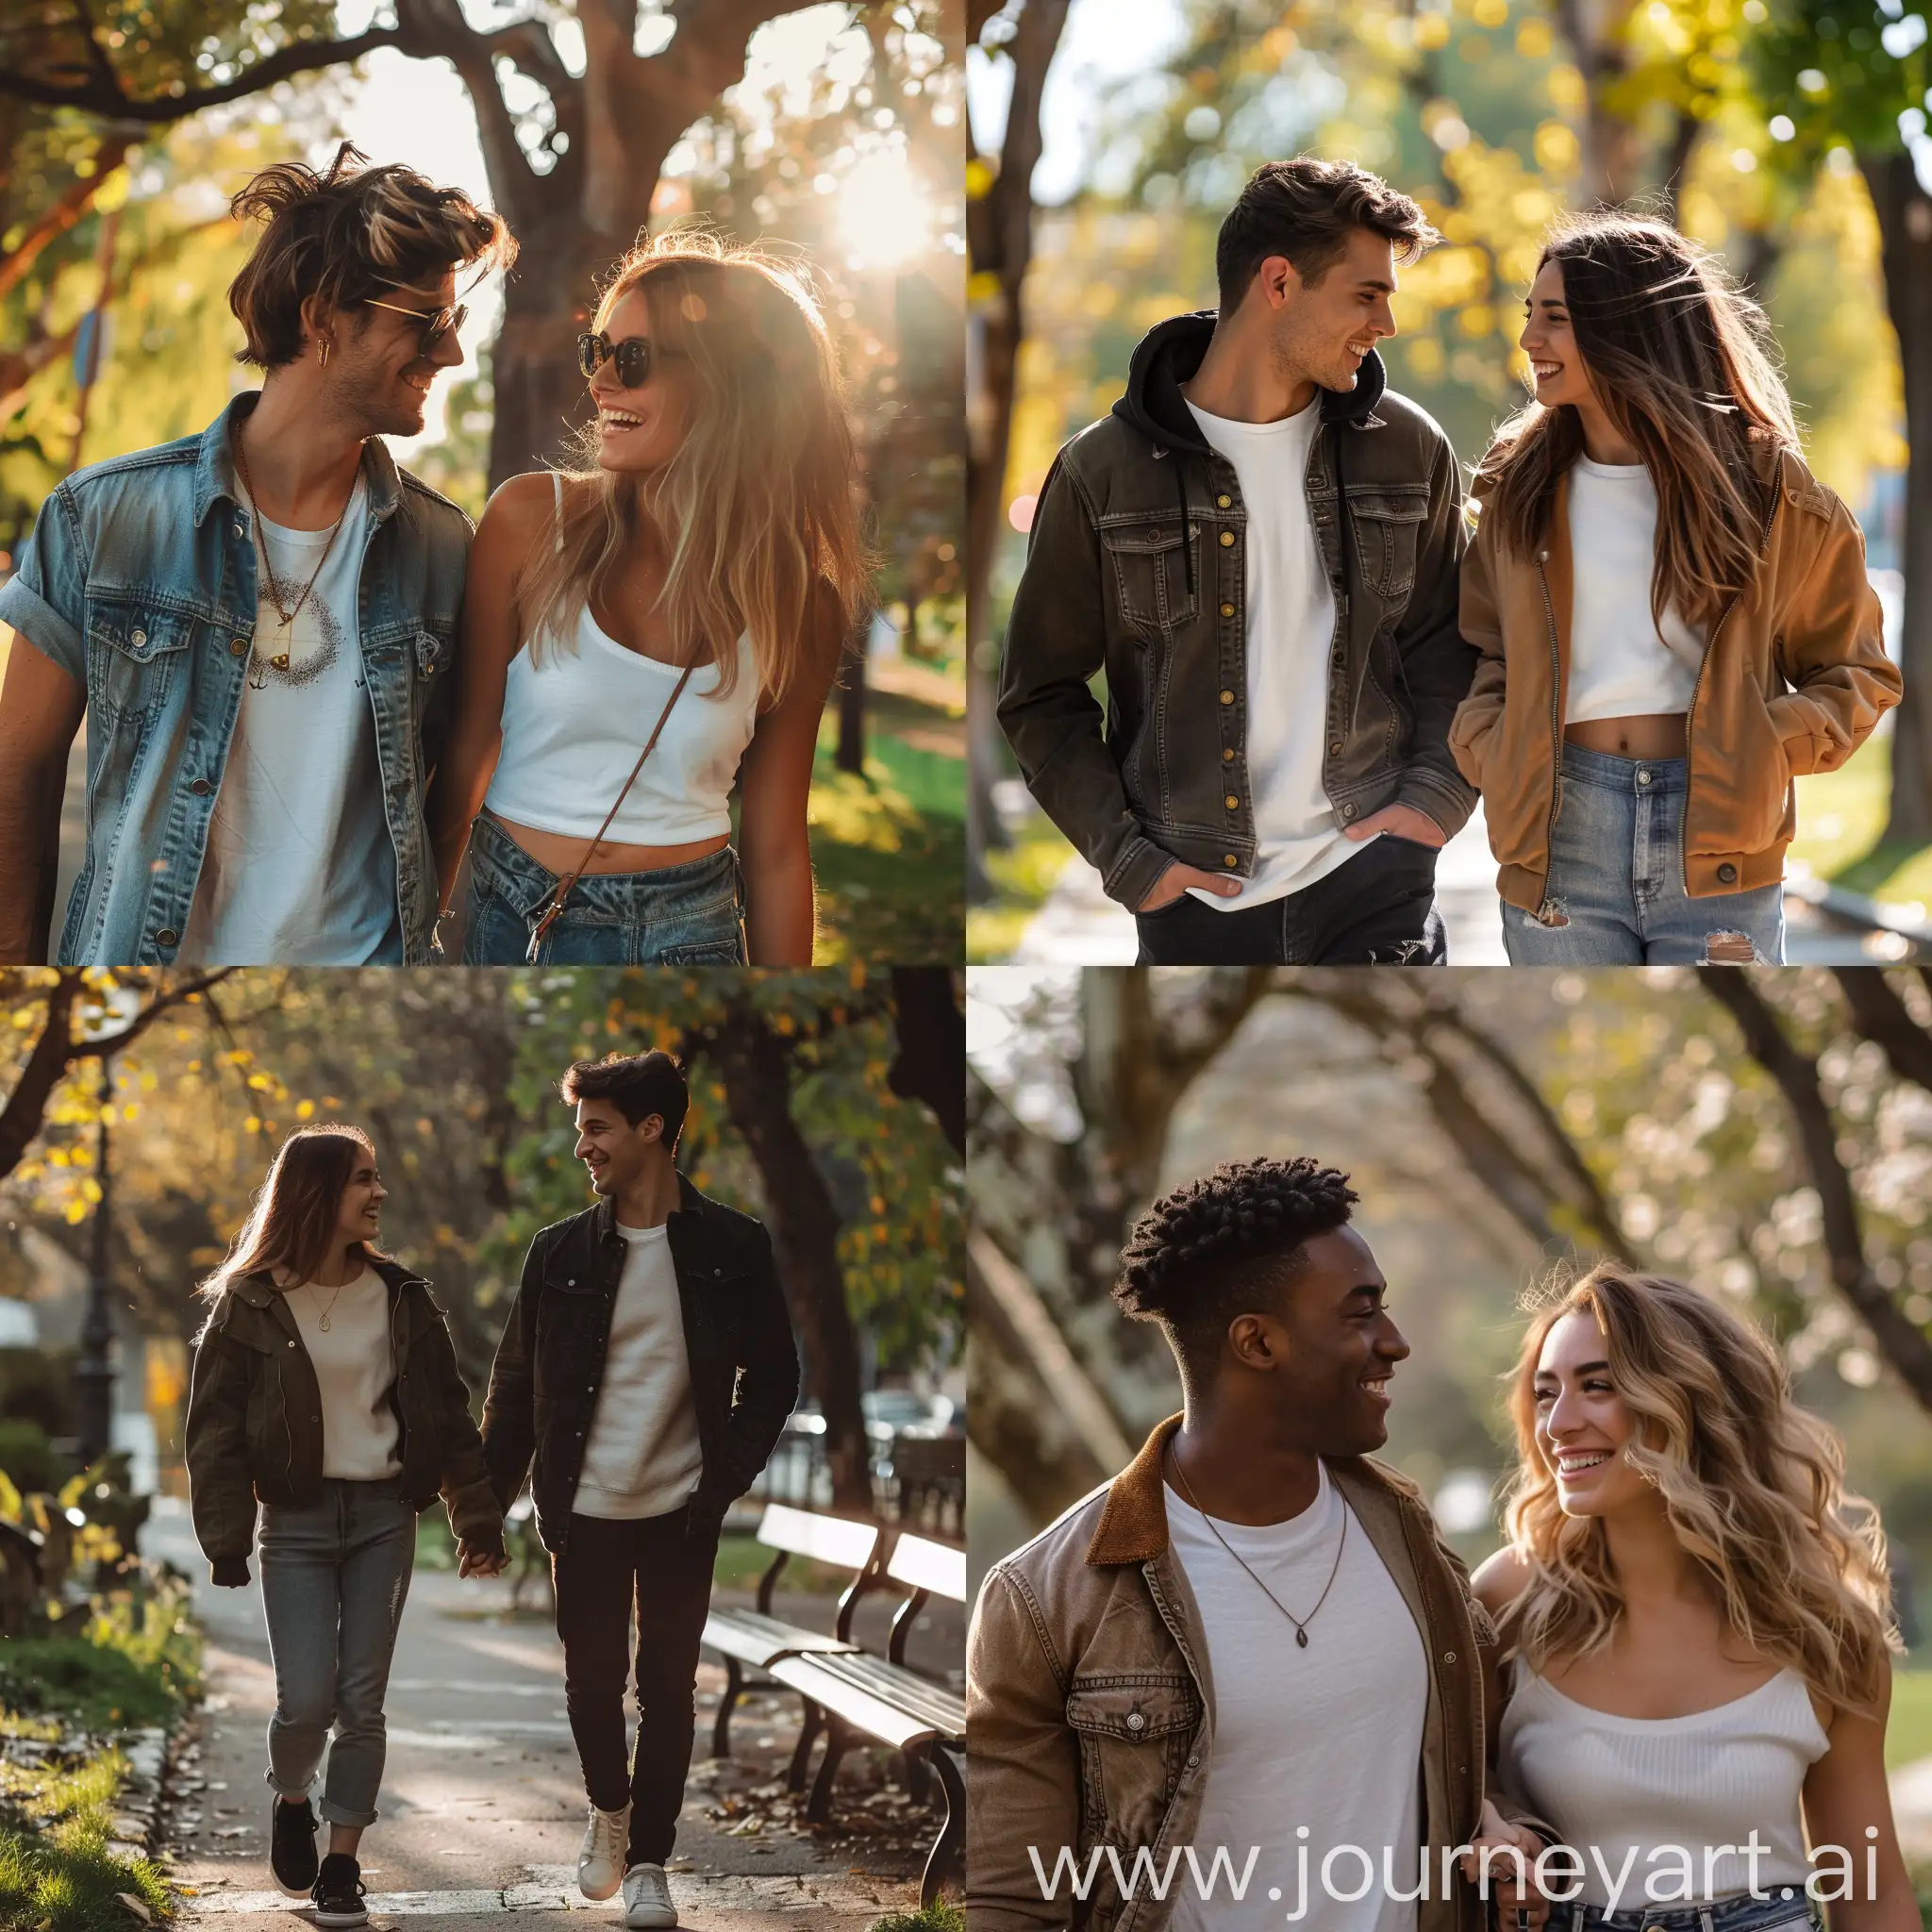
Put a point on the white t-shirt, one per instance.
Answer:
(1620, 666)
(642, 1458)
(1290, 636)
(300, 868)
(1329, 1738)
(355, 1366)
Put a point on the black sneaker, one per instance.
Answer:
(291, 1846)
(339, 1893)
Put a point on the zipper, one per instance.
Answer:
(288, 1431)
(1556, 730)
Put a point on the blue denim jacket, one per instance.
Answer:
(139, 583)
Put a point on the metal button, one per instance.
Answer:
(1227, 611)
(1227, 697)
(571, 1282)
(1728, 873)
(1229, 859)
(1135, 1722)
(1224, 503)
(1227, 539)
(1348, 811)
(1642, 777)
(1228, 755)
(238, 647)
(241, 529)
(1192, 1762)
(1231, 801)
(138, 638)
(1448, 1657)
(167, 937)
(291, 1344)
(201, 788)
(1335, 749)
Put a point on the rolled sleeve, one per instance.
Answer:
(45, 598)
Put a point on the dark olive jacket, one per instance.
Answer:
(549, 1368)
(254, 1432)
(1135, 567)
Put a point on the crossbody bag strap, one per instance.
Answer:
(554, 910)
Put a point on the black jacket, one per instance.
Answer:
(254, 1430)
(549, 1367)
(1135, 567)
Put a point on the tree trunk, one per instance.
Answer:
(851, 754)
(757, 1069)
(1612, 147)
(1904, 227)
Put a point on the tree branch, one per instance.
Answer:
(68, 207)
(1880, 1015)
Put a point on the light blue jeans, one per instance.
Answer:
(1793, 1912)
(334, 1578)
(1615, 894)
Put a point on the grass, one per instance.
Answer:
(1022, 876)
(941, 1916)
(743, 1559)
(1908, 1732)
(1841, 819)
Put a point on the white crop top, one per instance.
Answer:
(572, 729)
(1621, 664)
(1626, 1784)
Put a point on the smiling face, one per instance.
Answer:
(1324, 331)
(1550, 343)
(1583, 1425)
(640, 430)
(615, 1152)
(358, 1214)
(378, 376)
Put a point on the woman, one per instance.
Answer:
(683, 595)
(1672, 613)
(1693, 1619)
(326, 1388)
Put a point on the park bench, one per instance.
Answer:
(849, 1693)
(754, 1639)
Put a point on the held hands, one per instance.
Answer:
(1178, 877)
(475, 1560)
(1517, 1906)
(1403, 821)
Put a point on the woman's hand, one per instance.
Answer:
(1513, 1849)
(481, 1560)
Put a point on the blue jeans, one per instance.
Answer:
(680, 915)
(334, 1578)
(1793, 1913)
(1615, 894)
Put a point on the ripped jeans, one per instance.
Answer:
(1615, 894)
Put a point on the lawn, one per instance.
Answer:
(1841, 819)
(1022, 876)
(1908, 1734)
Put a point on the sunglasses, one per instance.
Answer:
(634, 355)
(435, 324)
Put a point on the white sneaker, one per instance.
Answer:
(647, 1897)
(600, 1863)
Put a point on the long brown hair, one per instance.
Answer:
(1683, 364)
(1752, 1484)
(291, 1224)
(757, 507)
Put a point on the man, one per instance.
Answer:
(1248, 1658)
(649, 1365)
(257, 621)
(1259, 547)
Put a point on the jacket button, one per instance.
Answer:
(1192, 1762)
(167, 937)
(1229, 859)
(291, 1344)
(1728, 873)
(1448, 1657)
(201, 788)
(1231, 802)
(1227, 611)
(1227, 539)
(1135, 1722)
(238, 647)
(1227, 697)
(1228, 755)
(138, 638)
(571, 1282)
(1335, 749)
(1348, 811)
(1224, 503)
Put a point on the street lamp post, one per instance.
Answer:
(94, 1374)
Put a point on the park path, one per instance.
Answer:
(481, 1807)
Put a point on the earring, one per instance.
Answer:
(323, 350)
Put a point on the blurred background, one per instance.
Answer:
(834, 129)
(1765, 1135)
(1109, 136)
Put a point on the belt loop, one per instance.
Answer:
(1704, 1919)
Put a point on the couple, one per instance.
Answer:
(1251, 1660)
(307, 690)
(1312, 670)
(648, 1367)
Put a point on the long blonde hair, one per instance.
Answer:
(1752, 1487)
(756, 506)
(1682, 361)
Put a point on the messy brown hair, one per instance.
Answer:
(1306, 209)
(345, 236)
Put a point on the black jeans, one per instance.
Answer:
(1378, 908)
(663, 1571)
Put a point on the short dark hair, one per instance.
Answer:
(1211, 1249)
(636, 1084)
(346, 236)
(1306, 209)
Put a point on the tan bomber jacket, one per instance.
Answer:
(1089, 1713)
(1794, 678)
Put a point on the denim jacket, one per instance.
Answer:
(139, 583)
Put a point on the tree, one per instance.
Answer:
(574, 164)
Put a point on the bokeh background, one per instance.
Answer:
(1766, 1136)
(1110, 136)
(833, 129)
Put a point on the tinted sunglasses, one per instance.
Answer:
(634, 355)
(435, 324)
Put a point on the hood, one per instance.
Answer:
(1171, 352)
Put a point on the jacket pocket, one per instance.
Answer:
(1134, 1734)
(1387, 528)
(133, 653)
(1155, 583)
(433, 654)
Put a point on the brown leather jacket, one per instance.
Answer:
(1090, 1716)
(1794, 678)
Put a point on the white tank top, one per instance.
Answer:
(572, 729)
(1628, 1784)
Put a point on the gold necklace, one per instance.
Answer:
(279, 660)
(333, 1299)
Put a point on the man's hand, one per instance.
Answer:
(1405, 821)
(1519, 1907)
(473, 1560)
(1178, 877)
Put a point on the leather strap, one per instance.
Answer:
(553, 908)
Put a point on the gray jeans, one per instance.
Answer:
(334, 1578)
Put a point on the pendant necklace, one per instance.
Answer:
(1301, 1623)
(277, 662)
(332, 1301)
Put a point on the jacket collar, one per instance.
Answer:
(259, 1291)
(1171, 352)
(603, 1211)
(214, 465)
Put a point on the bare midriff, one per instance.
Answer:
(561, 852)
(1654, 734)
